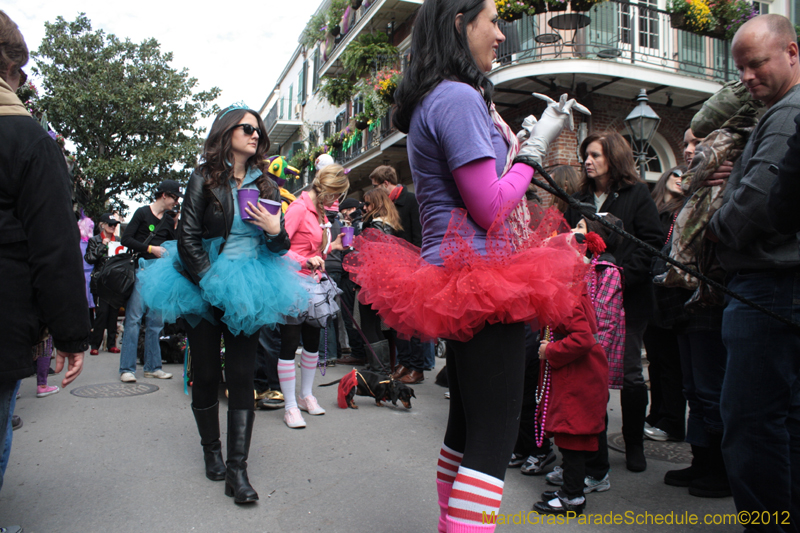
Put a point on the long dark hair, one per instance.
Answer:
(383, 208)
(439, 51)
(619, 157)
(659, 193)
(217, 152)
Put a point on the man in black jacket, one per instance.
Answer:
(410, 354)
(40, 256)
(158, 220)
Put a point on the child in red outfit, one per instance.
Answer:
(573, 403)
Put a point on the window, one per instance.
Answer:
(290, 111)
(648, 24)
(762, 7)
(315, 74)
(301, 84)
(326, 129)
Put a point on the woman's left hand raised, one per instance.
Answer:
(263, 218)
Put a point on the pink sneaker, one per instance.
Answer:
(310, 405)
(293, 418)
(41, 392)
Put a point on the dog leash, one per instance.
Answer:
(366, 342)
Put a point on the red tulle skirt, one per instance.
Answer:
(538, 279)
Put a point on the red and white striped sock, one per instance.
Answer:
(308, 367)
(475, 496)
(449, 461)
(286, 376)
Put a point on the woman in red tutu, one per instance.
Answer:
(482, 270)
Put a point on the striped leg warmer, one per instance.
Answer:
(446, 471)
(474, 499)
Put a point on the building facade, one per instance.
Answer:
(602, 56)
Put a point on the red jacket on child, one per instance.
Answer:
(579, 381)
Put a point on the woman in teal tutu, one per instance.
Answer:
(228, 278)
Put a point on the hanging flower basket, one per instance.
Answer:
(355, 4)
(717, 32)
(581, 5)
(537, 7)
(511, 17)
(677, 20)
(557, 5)
(335, 30)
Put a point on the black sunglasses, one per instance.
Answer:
(248, 129)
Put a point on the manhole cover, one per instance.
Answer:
(672, 452)
(113, 390)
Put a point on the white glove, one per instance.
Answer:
(555, 116)
(527, 128)
(535, 148)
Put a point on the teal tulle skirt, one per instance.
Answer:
(251, 291)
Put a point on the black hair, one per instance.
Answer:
(439, 51)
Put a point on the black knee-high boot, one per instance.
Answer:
(634, 407)
(240, 429)
(208, 427)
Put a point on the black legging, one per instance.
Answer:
(290, 339)
(240, 356)
(526, 440)
(486, 376)
(105, 320)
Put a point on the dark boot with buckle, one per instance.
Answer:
(683, 477)
(634, 407)
(714, 484)
(208, 427)
(240, 429)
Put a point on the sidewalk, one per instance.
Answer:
(134, 463)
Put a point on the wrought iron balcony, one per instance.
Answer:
(617, 31)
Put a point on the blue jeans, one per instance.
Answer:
(703, 359)
(134, 312)
(8, 399)
(760, 402)
(429, 355)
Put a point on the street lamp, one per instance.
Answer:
(641, 124)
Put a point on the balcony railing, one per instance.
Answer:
(369, 140)
(620, 31)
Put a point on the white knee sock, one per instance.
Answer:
(308, 367)
(286, 376)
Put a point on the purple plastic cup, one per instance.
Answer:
(271, 205)
(247, 195)
(347, 235)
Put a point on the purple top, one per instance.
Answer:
(450, 128)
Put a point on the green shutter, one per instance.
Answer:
(315, 74)
(603, 32)
(691, 52)
(281, 114)
(291, 109)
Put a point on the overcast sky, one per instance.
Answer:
(240, 47)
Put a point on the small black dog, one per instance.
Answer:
(379, 386)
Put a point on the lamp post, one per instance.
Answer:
(641, 124)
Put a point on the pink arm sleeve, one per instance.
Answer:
(484, 194)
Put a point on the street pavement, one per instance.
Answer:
(134, 463)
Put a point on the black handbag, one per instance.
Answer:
(115, 280)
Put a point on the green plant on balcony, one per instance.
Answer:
(335, 14)
(691, 15)
(337, 90)
(300, 159)
(731, 14)
(315, 29)
(366, 53)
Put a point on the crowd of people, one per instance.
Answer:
(544, 309)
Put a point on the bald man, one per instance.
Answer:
(760, 402)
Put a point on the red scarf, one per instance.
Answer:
(395, 194)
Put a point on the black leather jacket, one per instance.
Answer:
(206, 214)
(96, 251)
(381, 226)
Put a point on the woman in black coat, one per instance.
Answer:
(379, 214)
(105, 315)
(613, 186)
